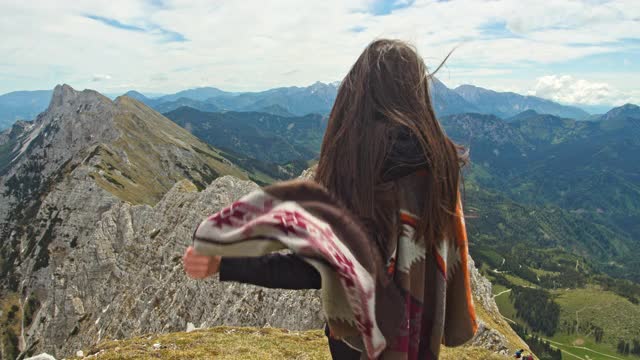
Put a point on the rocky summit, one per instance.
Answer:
(98, 200)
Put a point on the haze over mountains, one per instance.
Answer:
(297, 101)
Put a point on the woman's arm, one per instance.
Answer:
(282, 271)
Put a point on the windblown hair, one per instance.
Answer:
(384, 95)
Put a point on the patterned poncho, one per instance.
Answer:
(403, 307)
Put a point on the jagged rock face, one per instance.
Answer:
(44, 153)
(487, 336)
(125, 278)
(67, 127)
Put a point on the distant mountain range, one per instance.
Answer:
(586, 168)
(507, 104)
(297, 101)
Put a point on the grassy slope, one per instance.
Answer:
(10, 321)
(553, 240)
(615, 314)
(602, 308)
(132, 167)
(580, 348)
(233, 343)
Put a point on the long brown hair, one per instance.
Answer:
(387, 92)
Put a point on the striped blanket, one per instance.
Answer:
(402, 307)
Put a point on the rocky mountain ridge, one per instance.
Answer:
(75, 161)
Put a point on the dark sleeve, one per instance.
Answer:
(282, 271)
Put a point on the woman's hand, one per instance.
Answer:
(200, 266)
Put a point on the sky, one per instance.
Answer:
(574, 52)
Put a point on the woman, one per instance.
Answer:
(382, 235)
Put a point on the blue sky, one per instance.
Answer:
(579, 52)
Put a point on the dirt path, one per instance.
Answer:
(502, 292)
(562, 350)
(579, 347)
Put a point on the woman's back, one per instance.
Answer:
(388, 160)
(383, 127)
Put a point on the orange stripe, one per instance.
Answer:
(461, 239)
(461, 230)
(409, 219)
(440, 262)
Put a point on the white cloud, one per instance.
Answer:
(243, 45)
(569, 90)
(100, 77)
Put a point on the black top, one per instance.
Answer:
(282, 271)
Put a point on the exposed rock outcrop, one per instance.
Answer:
(60, 173)
(126, 278)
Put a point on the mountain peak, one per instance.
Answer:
(527, 114)
(61, 92)
(510, 104)
(318, 85)
(135, 95)
(65, 94)
(199, 93)
(447, 101)
(626, 111)
(467, 86)
(629, 107)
